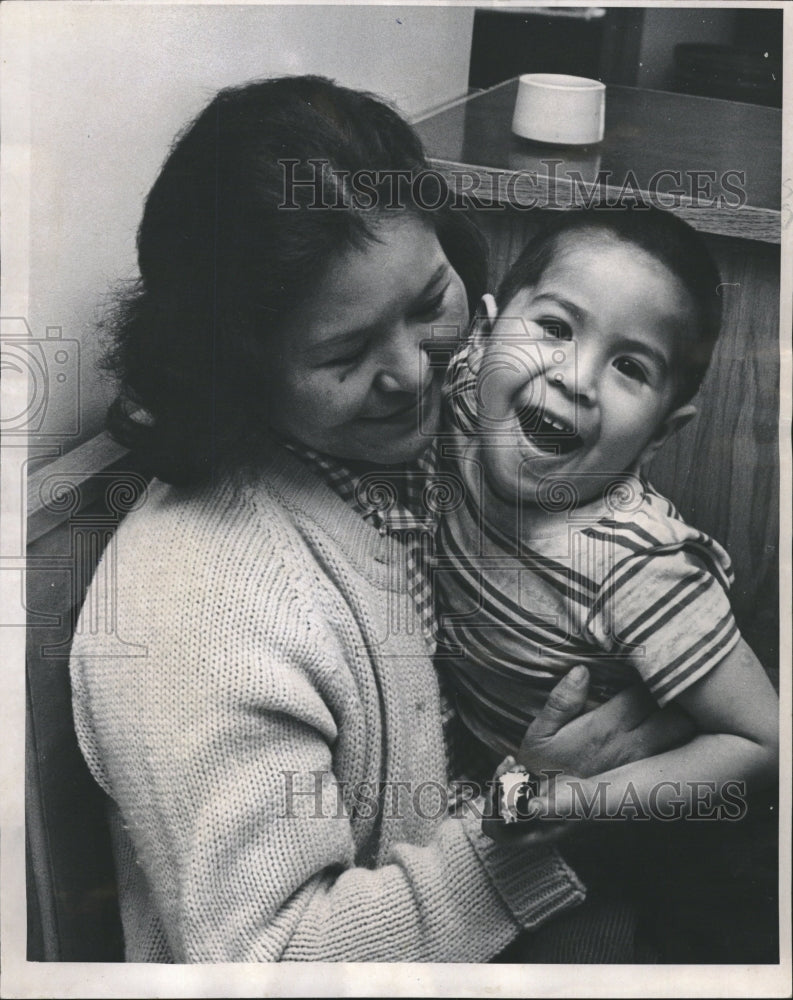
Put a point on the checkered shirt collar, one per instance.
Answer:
(392, 498)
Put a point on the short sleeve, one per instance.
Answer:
(667, 613)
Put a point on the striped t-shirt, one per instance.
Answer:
(622, 585)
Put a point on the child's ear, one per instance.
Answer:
(482, 327)
(488, 311)
(673, 422)
(485, 316)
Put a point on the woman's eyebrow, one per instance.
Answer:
(335, 339)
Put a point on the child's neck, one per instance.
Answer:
(532, 520)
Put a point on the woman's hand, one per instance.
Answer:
(629, 727)
(563, 746)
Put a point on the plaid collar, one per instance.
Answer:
(392, 498)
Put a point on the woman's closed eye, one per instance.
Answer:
(431, 308)
(349, 358)
(632, 369)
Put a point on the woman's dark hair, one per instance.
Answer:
(662, 235)
(232, 238)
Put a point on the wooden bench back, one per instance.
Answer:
(74, 506)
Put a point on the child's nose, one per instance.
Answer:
(574, 372)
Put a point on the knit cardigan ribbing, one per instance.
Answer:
(270, 736)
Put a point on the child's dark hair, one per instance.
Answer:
(662, 235)
(222, 261)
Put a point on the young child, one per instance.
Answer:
(560, 552)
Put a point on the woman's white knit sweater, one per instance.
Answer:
(272, 743)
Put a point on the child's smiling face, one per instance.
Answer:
(592, 395)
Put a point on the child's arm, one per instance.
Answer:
(735, 710)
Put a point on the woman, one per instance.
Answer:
(276, 761)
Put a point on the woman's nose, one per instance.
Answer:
(403, 364)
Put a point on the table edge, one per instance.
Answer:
(524, 191)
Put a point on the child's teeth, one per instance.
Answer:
(555, 424)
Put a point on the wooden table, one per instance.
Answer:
(718, 164)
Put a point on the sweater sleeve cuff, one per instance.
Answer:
(535, 883)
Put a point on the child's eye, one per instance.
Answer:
(632, 369)
(557, 328)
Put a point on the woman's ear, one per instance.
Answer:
(673, 422)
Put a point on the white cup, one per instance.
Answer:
(565, 110)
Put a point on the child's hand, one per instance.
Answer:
(563, 798)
